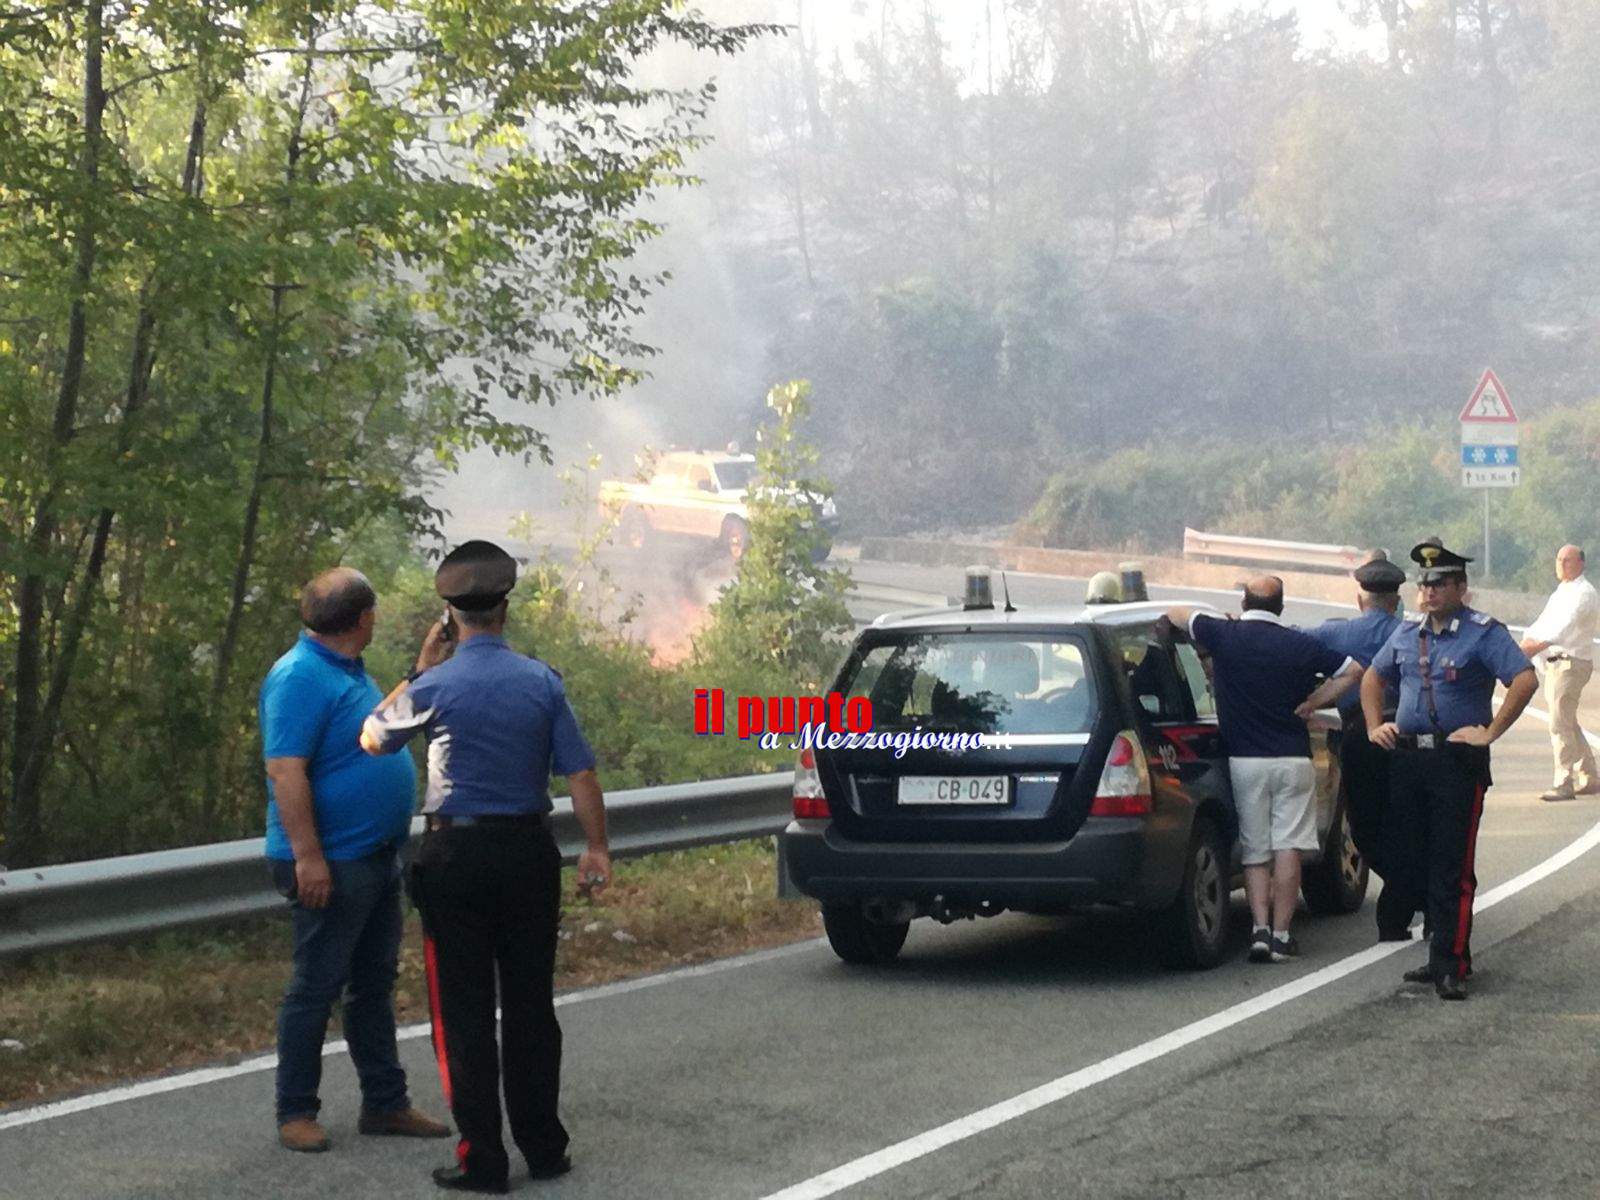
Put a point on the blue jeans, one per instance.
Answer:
(348, 950)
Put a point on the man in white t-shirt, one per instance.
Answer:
(1562, 642)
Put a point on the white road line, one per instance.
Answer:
(266, 1062)
(882, 1161)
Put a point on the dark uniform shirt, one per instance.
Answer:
(1360, 638)
(1464, 660)
(497, 724)
(1263, 669)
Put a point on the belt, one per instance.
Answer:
(1420, 741)
(499, 820)
(1430, 741)
(1558, 657)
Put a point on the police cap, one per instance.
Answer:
(1379, 575)
(476, 576)
(1436, 562)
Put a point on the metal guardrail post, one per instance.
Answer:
(45, 908)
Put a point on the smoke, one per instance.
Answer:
(707, 322)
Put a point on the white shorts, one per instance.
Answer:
(1275, 799)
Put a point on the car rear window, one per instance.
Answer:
(975, 683)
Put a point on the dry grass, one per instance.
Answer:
(103, 1014)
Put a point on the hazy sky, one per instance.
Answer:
(837, 23)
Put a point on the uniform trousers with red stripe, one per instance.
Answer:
(490, 898)
(1435, 804)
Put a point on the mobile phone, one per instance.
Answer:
(447, 629)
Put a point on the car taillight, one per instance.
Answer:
(809, 802)
(1124, 789)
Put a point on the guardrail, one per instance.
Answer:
(48, 907)
(1226, 547)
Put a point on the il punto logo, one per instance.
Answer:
(829, 722)
(780, 715)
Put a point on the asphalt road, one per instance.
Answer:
(1025, 1056)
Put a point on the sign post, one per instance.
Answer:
(1489, 434)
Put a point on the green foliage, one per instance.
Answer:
(774, 628)
(278, 269)
(1391, 490)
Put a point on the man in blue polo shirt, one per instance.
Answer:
(336, 820)
(1265, 675)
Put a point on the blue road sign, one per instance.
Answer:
(1489, 456)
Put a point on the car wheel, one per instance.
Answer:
(735, 537)
(633, 529)
(856, 939)
(1196, 923)
(1337, 884)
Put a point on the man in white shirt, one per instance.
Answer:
(1562, 642)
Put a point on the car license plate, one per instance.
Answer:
(955, 789)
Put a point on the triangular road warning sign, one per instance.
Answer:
(1490, 402)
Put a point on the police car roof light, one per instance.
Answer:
(980, 589)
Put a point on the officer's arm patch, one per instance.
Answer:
(1483, 618)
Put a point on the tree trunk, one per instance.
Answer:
(32, 721)
(1497, 83)
(816, 119)
(141, 365)
(228, 646)
(1137, 12)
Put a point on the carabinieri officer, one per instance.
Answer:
(488, 876)
(1446, 665)
(1363, 766)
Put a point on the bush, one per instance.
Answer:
(1398, 487)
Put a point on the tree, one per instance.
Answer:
(266, 268)
(777, 620)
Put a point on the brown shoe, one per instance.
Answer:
(303, 1134)
(407, 1122)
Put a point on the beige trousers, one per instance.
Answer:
(1563, 684)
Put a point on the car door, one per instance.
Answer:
(1178, 777)
(1199, 741)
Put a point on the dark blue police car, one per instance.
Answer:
(1100, 781)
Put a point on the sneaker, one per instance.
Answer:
(1591, 789)
(1261, 944)
(1284, 948)
(1423, 974)
(1558, 793)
